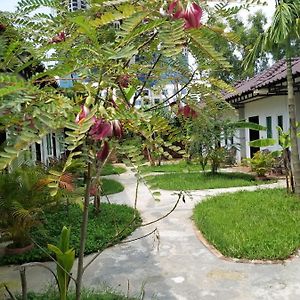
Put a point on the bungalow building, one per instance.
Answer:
(263, 100)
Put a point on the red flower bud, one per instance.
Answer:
(123, 80)
(117, 128)
(176, 9)
(93, 190)
(82, 114)
(192, 16)
(2, 27)
(187, 112)
(102, 155)
(101, 129)
(61, 37)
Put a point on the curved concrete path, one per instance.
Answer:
(179, 266)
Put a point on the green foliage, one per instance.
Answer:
(23, 198)
(86, 295)
(254, 225)
(101, 230)
(261, 162)
(263, 143)
(201, 181)
(65, 257)
(212, 126)
(281, 37)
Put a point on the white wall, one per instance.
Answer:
(273, 106)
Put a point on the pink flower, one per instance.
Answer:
(61, 37)
(82, 114)
(102, 155)
(117, 128)
(123, 80)
(93, 190)
(101, 129)
(176, 9)
(187, 111)
(192, 16)
(2, 27)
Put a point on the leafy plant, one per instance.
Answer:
(22, 201)
(101, 230)
(261, 162)
(65, 257)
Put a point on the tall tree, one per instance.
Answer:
(246, 32)
(283, 30)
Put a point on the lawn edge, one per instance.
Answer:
(219, 255)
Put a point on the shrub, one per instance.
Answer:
(101, 229)
(261, 163)
(22, 200)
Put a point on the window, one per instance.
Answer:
(279, 124)
(156, 100)
(280, 121)
(49, 144)
(269, 127)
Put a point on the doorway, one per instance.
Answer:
(253, 135)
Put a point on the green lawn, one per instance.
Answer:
(110, 169)
(255, 225)
(101, 229)
(52, 295)
(199, 181)
(110, 186)
(181, 166)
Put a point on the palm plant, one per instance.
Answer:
(283, 29)
(22, 200)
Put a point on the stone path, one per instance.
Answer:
(182, 267)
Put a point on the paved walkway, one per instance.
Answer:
(181, 267)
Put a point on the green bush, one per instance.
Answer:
(263, 224)
(101, 229)
(22, 200)
(262, 162)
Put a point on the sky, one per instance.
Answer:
(10, 5)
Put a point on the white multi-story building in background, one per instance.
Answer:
(75, 4)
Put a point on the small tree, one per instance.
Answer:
(209, 130)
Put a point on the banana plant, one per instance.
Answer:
(65, 257)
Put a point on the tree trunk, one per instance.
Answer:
(293, 128)
(83, 231)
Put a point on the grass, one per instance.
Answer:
(181, 166)
(201, 181)
(101, 229)
(110, 169)
(86, 295)
(254, 225)
(110, 186)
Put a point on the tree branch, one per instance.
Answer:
(169, 98)
(146, 80)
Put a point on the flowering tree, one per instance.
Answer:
(108, 78)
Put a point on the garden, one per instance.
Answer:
(88, 120)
